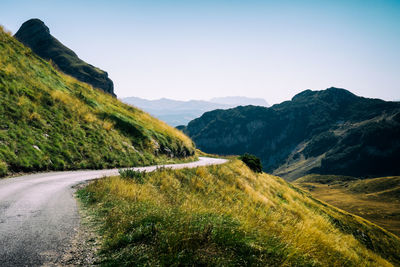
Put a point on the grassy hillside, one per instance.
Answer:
(50, 121)
(227, 215)
(376, 199)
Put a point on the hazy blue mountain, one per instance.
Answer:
(176, 112)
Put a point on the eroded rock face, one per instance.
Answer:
(36, 35)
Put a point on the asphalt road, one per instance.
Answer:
(39, 214)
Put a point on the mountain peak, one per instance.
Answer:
(327, 94)
(35, 34)
(34, 25)
(337, 90)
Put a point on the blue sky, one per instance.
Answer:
(203, 49)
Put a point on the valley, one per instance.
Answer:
(377, 199)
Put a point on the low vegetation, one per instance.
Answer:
(137, 176)
(51, 121)
(376, 199)
(228, 215)
(252, 162)
(324, 179)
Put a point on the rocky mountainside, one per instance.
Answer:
(36, 35)
(176, 112)
(328, 132)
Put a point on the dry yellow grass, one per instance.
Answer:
(141, 116)
(107, 125)
(374, 199)
(267, 205)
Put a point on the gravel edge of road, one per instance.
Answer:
(85, 245)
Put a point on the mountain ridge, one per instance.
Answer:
(36, 35)
(316, 131)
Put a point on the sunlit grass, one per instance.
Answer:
(376, 199)
(270, 214)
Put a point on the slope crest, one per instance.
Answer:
(36, 35)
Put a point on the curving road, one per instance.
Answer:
(38, 213)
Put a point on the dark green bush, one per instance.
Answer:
(137, 176)
(252, 162)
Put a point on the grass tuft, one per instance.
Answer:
(137, 176)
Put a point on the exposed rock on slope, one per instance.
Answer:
(329, 132)
(35, 34)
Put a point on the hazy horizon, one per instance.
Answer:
(201, 50)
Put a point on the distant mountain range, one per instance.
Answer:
(328, 132)
(175, 112)
(36, 35)
(235, 101)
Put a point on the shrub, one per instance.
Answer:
(252, 162)
(137, 176)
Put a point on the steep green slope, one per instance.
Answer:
(50, 121)
(227, 215)
(328, 132)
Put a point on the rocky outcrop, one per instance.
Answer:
(36, 35)
(329, 132)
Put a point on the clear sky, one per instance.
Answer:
(202, 49)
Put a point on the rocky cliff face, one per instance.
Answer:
(329, 132)
(36, 35)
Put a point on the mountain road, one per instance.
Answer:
(39, 214)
